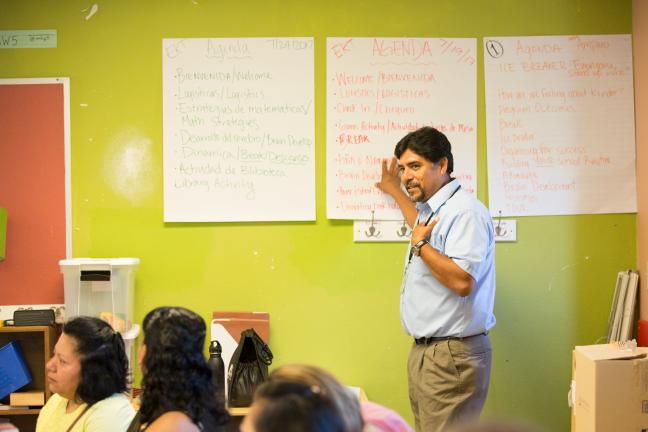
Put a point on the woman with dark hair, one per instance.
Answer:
(88, 373)
(303, 398)
(177, 392)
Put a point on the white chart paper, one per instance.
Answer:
(560, 125)
(239, 141)
(380, 89)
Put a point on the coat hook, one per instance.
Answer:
(403, 230)
(373, 231)
(499, 231)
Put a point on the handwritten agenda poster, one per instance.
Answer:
(378, 90)
(560, 125)
(239, 139)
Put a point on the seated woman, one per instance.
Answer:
(88, 373)
(303, 398)
(177, 392)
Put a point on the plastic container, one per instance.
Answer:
(103, 288)
(13, 370)
(129, 338)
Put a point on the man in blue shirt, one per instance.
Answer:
(448, 288)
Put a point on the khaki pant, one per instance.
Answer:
(448, 381)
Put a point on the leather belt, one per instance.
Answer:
(431, 340)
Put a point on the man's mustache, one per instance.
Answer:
(412, 184)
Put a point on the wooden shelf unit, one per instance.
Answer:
(37, 344)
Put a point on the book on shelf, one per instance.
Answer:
(4, 407)
(28, 398)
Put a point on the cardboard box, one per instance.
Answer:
(236, 322)
(28, 398)
(611, 389)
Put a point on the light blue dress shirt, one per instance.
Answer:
(464, 234)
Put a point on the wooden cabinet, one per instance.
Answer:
(36, 343)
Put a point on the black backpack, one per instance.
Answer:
(247, 369)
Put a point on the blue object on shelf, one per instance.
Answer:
(13, 370)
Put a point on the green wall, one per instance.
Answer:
(332, 302)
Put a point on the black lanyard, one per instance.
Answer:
(432, 215)
(78, 418)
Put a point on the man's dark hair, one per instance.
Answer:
(176, 374)
(104, 365)
(428, 142)
(295, 407)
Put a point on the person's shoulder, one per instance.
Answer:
(53, 404)
(50, 410)
(173, 421)
(116, 401)
(469, 203)
(380, 418)
(112, 413)
(55, 399)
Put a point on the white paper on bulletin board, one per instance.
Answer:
(238, 129)
(380, 89)
(560, 125)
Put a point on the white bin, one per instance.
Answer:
(103, 288)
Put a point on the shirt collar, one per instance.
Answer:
(440, 197)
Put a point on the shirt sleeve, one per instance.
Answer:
(113, 414)
(469, 241)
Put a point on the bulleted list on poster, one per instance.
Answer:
(238, 129)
